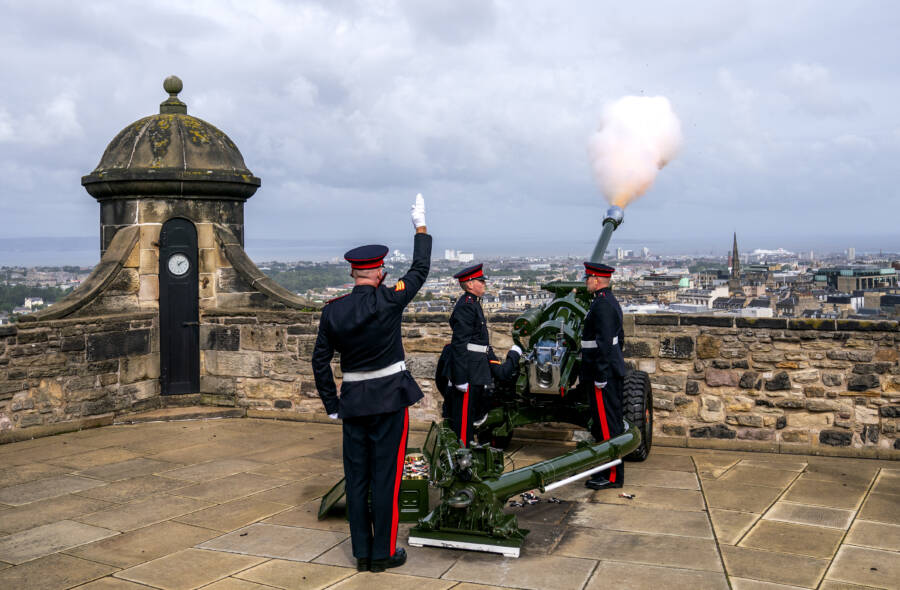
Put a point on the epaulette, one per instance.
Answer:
(469, 299)
(336, 298)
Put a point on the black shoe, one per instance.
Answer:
(601, 483)
(362, 564)
(395, 560)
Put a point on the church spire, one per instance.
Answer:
(735, 260)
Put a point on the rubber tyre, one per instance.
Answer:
(638, 398)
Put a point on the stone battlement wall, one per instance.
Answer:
(798, 386)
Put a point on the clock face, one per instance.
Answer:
(178, 264)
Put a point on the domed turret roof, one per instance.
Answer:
(171, 154)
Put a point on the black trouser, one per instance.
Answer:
(606, 409)
(464, 408)
(374, 451)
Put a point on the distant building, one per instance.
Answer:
(449, 254)
(645, 252)
(856, 278)
(465, 256)
(701, 297)
(33, 302)
(851, 254)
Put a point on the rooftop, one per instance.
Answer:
(232, 503)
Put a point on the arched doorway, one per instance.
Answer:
(179, 327)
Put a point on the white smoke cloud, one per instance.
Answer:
(638, 135)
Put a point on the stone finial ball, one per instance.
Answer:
(173, 85)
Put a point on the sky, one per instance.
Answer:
(346, 109)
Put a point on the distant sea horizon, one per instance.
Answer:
(85, 250)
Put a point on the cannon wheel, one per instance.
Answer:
(638, 398)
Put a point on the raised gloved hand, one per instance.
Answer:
(599, 384)
(463, 387)
(333, 416)
(417, 211)
(515, 347)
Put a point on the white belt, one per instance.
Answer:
(363, 375)
(477, 347)
(588, 344)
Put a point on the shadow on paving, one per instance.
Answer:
(232, 504)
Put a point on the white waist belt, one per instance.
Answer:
(477, 347)
(588, 344)
(363, 375)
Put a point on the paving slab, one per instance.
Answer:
(768, 566)
(655, 497)
(650, 577)
(280, 542)
(783, 537)
(44, 450)
(641, 520)
(46, 539)
(429, 562)
(198, 453)
(297, 493)
(93, 458)
(665, 550)
(307, 516)
(543, 512)
(876, 535)
(759, 476)
(738, 496)
(145, 544)
(553, 572)
(213, 469)
(730, 526)
(833, 494)
(128, 490)
(303, 468)
(188, 569)
(667, 462)
(29, 472)
(888, 482)
(127, 517)
(52, 573)
(128, 469)
(231, 487)
(234, 584)
(232, 515)
(811, 515)
(285, 452)
(48, 487)
(830, 585)
(866, 567)
(855, 472)
(110, 583)
(295, 575)
(42, 512)
(772, 461)
(881, 508)
(713, 467)
(663, 478)
(369, 581)
(745, 584)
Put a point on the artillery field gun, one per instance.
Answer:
(473, 487)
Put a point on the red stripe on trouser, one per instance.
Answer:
(601, 411)
(401, 455)
(465, 416)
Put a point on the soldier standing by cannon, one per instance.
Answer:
(603, 366)
(364, 327)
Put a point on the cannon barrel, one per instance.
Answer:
(613, 219)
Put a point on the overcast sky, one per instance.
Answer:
(347, 109)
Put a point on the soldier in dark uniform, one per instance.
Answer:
(364, 327)
(603, 366)
(469, 355)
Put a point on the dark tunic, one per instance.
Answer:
(603, 325)
(469, 327)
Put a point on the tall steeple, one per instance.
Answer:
(735, 260)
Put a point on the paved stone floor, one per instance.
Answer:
(231, 505)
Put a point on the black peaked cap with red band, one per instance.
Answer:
(595, 269)
(365, 257)
(467, 274)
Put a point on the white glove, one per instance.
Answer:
(417, 211)
(333, 416)
(600, 384)
(463, 387)
(515, 347)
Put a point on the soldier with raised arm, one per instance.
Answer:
(377, 389)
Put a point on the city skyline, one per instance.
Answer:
(347, 109)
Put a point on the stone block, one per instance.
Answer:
(229, 281)
(233, 364)
(217, 385)
(707, 320)
(208, 260)
(716, 431)
(814, 391)
(32, 336)
(661, 403)
(98, 406)
(780, 382)
(749, 380)
(740, 364)
(757, 323)
(110, 345)
(673, 383)
(793, 403)
(892, 384)
(216, 337)
(811, 324)
(207, 285)
(149, 261)
(637, 348)
(857, 356)
(740, 404)
(656, 319)
(711, 409)
(262, 338)
(692, 387)
(836, 438)
(149, 290)
(72, 344)
(674, 429)
(676, 347)
(887, 354)
(720, 378)
(422, 366)
(832, 379)
(721, 364)
(879, 368)
(205, 235)
(647, 365)
(795, 436)
(863, 382)
(139, 368)
(263, 389)
(806, 420)
(892, 411)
